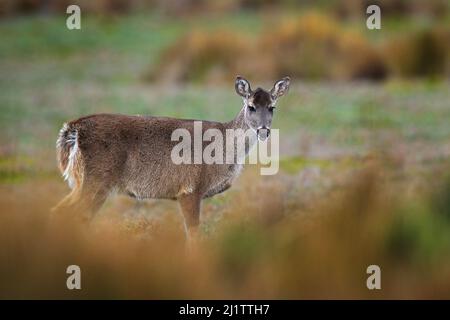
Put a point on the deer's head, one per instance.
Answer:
(260, 104)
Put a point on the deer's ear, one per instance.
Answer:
(242, 87)
(280, 87)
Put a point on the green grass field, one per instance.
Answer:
(51, 75)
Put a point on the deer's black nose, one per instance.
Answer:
(263, 133)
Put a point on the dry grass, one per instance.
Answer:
(312, 46)
(425, 53)
(201, 56)
(316, 47)
(264, 247)
(352, 9)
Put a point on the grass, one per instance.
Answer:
(271, 250)
(51, 75)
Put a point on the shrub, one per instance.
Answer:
(425, 53)
(201, 56)
(313, 47)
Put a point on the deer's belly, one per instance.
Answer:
(170, 184)
(141, 193)
(160, 185)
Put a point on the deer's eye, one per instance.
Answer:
(251, 108)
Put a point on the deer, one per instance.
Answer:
(104, 153)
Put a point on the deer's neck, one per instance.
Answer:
(239, 123)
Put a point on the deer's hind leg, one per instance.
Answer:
(82, 202)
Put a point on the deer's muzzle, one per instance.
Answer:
(263, 133)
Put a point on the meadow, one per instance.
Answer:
(364, 176)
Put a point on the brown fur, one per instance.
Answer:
(132, 155)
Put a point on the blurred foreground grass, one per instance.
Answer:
(266, 247)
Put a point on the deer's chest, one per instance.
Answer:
(223, 179)
(230, 173)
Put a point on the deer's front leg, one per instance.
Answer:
(190, 207)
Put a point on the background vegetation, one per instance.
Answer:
(365, 147)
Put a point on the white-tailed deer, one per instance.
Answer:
(101, 153)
